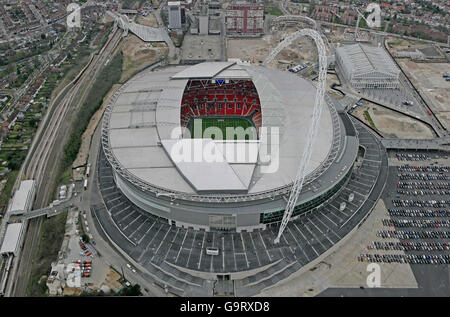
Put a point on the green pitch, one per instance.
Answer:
(216, 128)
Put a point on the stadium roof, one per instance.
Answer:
(203, 70)
(12, 237)
(360, 59)
(216, 175)
(146, 111)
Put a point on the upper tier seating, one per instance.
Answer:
(237, 98)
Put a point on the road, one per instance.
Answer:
(174, 54)
(109, 254)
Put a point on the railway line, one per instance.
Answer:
(46, 150)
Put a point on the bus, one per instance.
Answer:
(212, 251)
(297, 68)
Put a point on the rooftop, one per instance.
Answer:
(12, 237)
(146, 111)
(361, 59)
(21, 200)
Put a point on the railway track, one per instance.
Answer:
(45, 147)
(40, 157)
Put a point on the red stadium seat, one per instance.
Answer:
(238, 98)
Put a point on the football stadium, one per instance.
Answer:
(200, 158)
(238, 193)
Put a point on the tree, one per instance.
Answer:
(85, 238)
(134, 290)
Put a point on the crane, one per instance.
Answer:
(375, 15)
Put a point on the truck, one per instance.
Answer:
(85, 184)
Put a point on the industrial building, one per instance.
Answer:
(245, 19)
(23, 198)
(367, 67)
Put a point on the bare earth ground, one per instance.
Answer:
(107, 19)
(342, 269)
(427, 78)
(333, 79)
(392, 124)
(138, 54)
(112, 280)
(256, 50)
(149, 20)
(336, 34)
(397, 44)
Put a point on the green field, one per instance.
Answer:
(238, 125)
(273, 11)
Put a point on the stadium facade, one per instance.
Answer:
(367, 67)
(144, 130)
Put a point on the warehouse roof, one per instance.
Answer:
(12, 238)
(23, 197)
(360, 59)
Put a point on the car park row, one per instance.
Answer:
(411, 157)
(410, 234)
(423, 176)
(423, 192)
(423, 169)
(418, 212)
(85, 250)
(408, 223)
(420, 203)
(409, 246)
(424, 185)
(406, 258)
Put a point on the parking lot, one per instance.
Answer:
(418, 201)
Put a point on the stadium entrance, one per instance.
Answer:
(222, 223)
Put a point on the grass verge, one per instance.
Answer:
(369, 119)
(6, 192)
